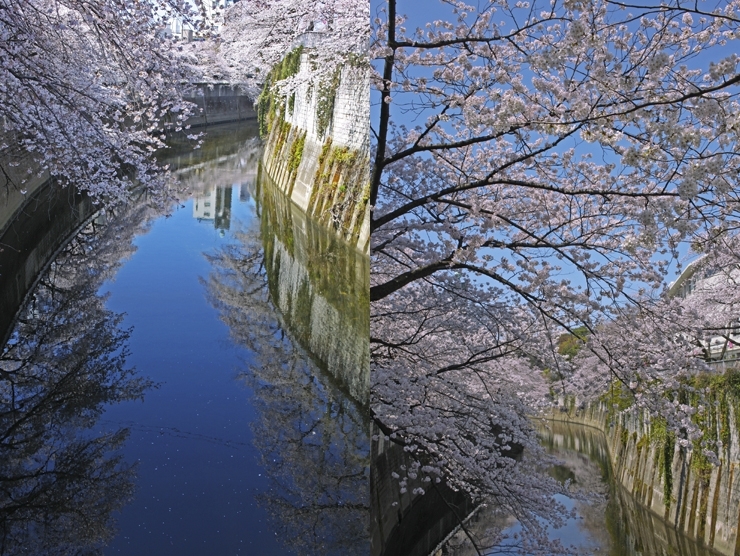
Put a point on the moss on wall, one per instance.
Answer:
(617, 399)
(332, 186)
(296, 152)
(664, 442)
(286, 144)
(270, 106)
(341, 190)
(325, 103)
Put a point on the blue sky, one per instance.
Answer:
(420, 12)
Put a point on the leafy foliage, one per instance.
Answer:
(570, 344)
(269, 104)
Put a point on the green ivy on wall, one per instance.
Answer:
(269, 105)
(327, 95)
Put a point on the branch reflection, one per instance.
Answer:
(310, 386)
(65, 360)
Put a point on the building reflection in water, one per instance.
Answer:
(214, 204)
(309, 370)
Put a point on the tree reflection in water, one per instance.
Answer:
(65, 360)
(609, 521)
(313, 438)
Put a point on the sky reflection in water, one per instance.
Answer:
(608, 521)
(236, 451)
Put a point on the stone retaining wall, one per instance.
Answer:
(318, 152)
(220, 103)
(703, 501)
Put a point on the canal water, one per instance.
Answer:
(607, 519)
(196, 382)
(188, 383)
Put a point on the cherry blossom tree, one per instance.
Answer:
(86, 87)
(540, 168)
(257, 34)
(653, 350)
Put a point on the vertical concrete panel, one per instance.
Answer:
(349, 128)
(708, 512)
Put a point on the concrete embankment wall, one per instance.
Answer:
(35, 222)
(318, 152)
(220, 103)
(49, 219)
(409, 523)
(677, 483)
(320, 286)
(20, 178)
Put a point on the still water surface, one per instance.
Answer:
(201, 378)
(169, 394)
(607, 520)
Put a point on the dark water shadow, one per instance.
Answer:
(65, 360)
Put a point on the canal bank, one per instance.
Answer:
(317, 145)
(606, 517)
(32, 238)
(677, 484)
(219, 103)
(611, 519)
